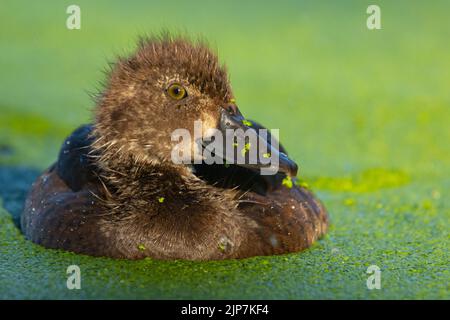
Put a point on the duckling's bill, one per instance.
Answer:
(247, 147)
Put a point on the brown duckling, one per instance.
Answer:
(114, 190)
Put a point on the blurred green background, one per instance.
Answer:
(365, 114)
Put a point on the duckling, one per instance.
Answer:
(114, 190)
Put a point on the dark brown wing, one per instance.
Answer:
(62, 210)
(287, 219)
(74, 165)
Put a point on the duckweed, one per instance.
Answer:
(287, 182)
(302, 183)
(221, 246)
(378, 136)
(367, 181)
(349, 202)
(246, 148)
(247, 123)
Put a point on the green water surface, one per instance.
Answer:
(365, 114)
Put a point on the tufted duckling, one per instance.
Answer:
(115, 191)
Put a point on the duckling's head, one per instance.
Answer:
(167, 84)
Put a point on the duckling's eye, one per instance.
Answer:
(177, 91)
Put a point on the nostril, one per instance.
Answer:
(231, 108)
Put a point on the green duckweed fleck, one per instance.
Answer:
(247, 123)
(246, 148)
(221, 246)
(302, 183)
(287, 182)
